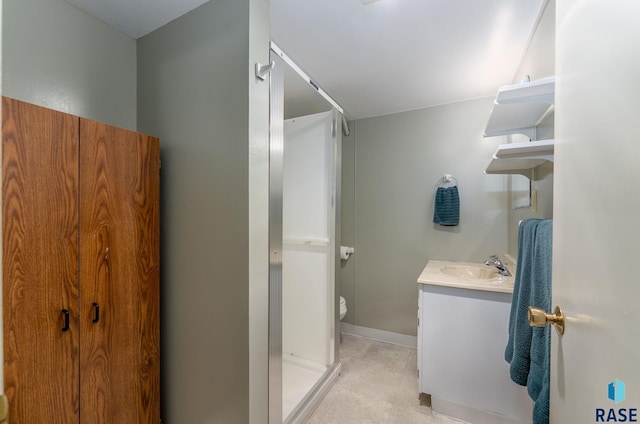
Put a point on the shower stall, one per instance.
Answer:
(303, 242)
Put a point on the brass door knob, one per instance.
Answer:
(539, 318)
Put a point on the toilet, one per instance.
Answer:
(343, 307)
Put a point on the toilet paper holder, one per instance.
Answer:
(346, 251)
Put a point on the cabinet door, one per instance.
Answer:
(40, 274)
(119, 276)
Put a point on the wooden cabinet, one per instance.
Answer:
(80, 216)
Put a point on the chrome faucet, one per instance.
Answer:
(494, 261)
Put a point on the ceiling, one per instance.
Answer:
(136, 17)
(381, 57)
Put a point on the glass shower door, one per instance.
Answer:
(308, 251)
(304, 188)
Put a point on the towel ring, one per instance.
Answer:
(447, 180)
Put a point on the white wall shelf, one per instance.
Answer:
(519, 108)
(521, 158)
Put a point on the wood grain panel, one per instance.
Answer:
(119, 270)
(40, 273)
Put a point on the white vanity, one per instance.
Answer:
(463, 322)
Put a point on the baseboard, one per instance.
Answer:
(468, 414)
(380, 335)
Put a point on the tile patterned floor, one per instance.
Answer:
(378, 385)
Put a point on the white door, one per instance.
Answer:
(596, 257)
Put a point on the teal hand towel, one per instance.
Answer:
(518, 350)
(447, 206)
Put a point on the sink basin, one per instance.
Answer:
(471, 272)
(465, 275)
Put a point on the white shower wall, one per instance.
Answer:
(308, 227)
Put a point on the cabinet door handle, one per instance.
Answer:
(96, 312)
(65, 315)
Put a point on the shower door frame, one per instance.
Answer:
(276, 151)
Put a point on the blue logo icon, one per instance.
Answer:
(616, 391)
(617, 394)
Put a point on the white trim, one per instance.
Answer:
(379, 335)
(468, 414)
(304, 76)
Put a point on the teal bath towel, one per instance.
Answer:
(538, 380)
(517, 353)
(447, 206)
(528, 349)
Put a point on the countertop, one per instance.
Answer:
(433, 275)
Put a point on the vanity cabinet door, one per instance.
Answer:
(462, 338)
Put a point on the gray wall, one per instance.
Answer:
(390, 168)
(198, 94)
(347, 220)
(258, 130)
(194, 93)
(56, 56)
